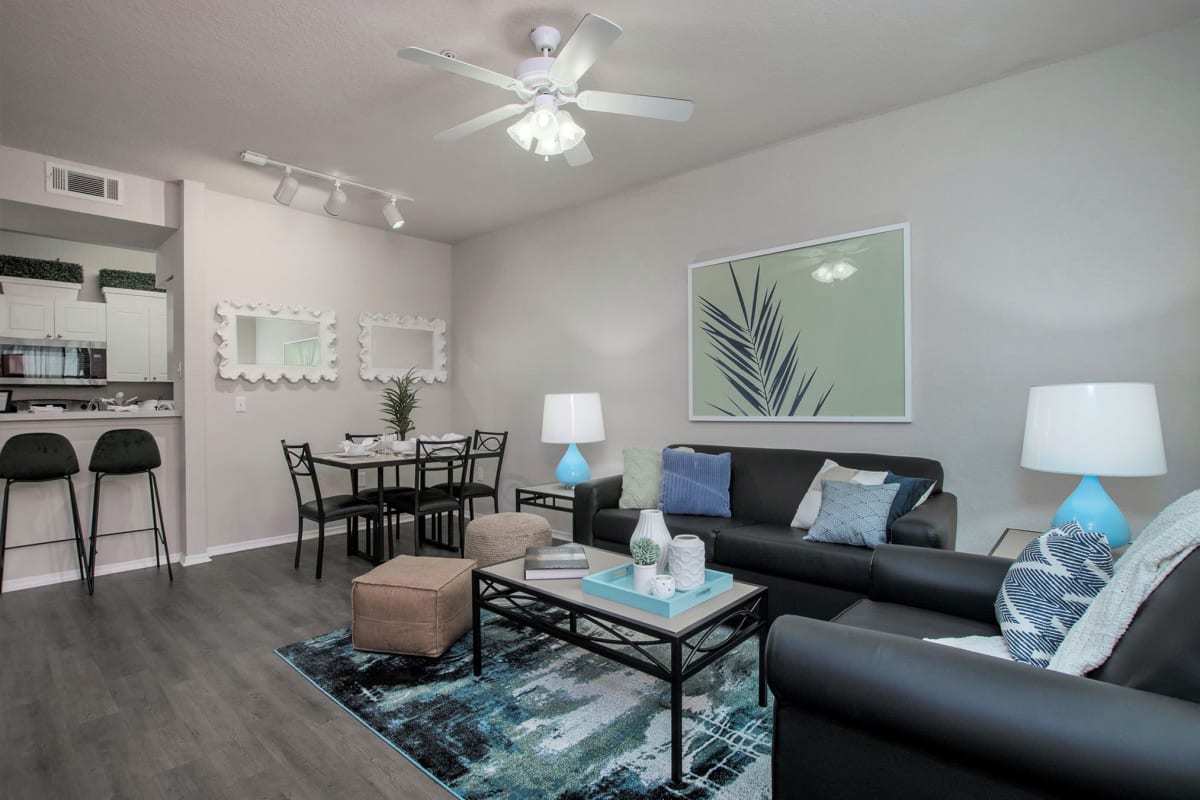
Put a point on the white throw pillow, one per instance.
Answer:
(810, 506)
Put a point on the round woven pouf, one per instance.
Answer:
(504, 536)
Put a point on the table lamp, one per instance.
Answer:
(1094, 430)
(572, 419)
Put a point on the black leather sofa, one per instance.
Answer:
(758, 545)
(865, 709)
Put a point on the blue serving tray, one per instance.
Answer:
(617, 584)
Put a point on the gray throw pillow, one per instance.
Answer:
(853, 514)
(641, 479)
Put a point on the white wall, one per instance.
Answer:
(1054, 239)
(261, 251)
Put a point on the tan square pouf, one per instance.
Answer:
(410, 605)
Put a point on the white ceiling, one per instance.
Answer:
(177, 88)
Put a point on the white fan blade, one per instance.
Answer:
(591, 38)
(578, 155)
(636, 105)
(480, 122)
(439, 61)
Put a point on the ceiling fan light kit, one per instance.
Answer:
(289, 185)
(547, 82)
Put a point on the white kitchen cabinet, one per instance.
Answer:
(137, 335)
(34, 317)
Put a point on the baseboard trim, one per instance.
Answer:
(50, 578)
(66, 576)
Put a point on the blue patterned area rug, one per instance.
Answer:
(549, 720)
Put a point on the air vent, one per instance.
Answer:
(61, 179)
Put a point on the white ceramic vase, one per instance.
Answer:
(643, 577)
(651, 526)
(687, 561)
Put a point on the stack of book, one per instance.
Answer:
(555, 563)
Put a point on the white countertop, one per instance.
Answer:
(43, 416)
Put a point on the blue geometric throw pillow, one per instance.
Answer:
(853, 514)
(1048, 588)
(695, 483)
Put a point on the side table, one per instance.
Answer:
(1013, 541)
(551, 496)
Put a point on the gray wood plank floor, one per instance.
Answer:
(154, 689)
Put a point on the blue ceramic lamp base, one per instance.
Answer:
(1094, 510)
(572, 469)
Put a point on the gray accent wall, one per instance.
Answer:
(1054, 240)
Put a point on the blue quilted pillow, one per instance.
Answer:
(853, 514)
(695, 483)
(1048, 588)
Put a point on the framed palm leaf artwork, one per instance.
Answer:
(817, 331)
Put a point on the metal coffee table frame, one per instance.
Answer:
(625, 639)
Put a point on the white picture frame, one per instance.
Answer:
(837, 310)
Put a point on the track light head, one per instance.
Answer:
(287, 189)
(392, 214)
(336, 201)
(257, 159)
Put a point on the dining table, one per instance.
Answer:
(378, 462)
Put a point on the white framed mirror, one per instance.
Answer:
(392, 345)
(265, 342)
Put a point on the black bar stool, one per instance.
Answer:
(127, 451)
(34, 458)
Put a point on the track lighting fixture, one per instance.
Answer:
(336, 201)
(392, 214)
(289, 185)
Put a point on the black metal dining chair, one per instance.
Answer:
(321, 509)
(487, 445)
(36, 458)
(372, 494)
(442, 463)
(127, 451)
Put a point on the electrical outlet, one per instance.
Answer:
(239, 404)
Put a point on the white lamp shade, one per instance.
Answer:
(1102, 429)
(572, 418)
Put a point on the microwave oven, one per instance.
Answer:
(34, 362)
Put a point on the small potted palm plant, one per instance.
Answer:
(399, 403)
(645, 563)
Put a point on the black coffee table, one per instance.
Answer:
(625, 634)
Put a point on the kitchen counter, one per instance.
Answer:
(49, 417)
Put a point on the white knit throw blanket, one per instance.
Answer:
(1165, 542)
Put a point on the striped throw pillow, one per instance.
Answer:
(1048, 588)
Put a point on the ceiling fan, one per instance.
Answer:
(545, 83)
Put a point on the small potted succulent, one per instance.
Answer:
(645, 564)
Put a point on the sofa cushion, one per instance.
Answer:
(615, 525)
(853, 514)
(781, 550)
(695, 483)
(918, 623)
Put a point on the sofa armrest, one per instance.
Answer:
(1028, 727)
(590, 497)
(934, 523)
(962, 584)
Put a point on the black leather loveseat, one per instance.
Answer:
(758, 545)
(865, 709)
